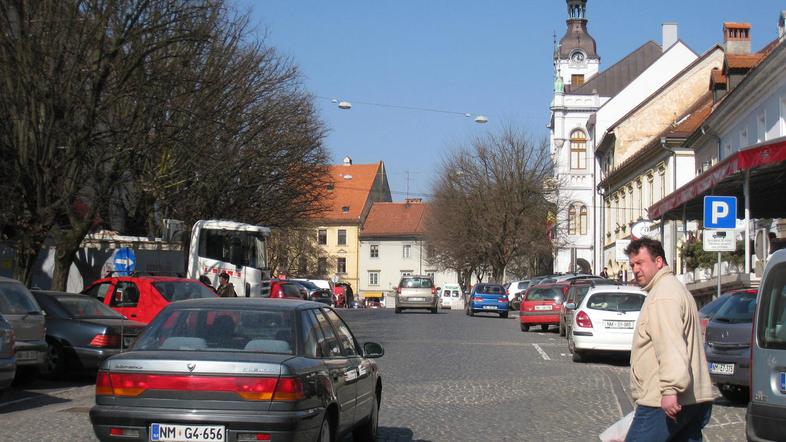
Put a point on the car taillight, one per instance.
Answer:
(476, 299)
(105, 341)
(279, 292)
(433, 290)
(289, 389)
(583, 320)
(103, 384)
(503, 299)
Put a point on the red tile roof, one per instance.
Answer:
(352, 190)
(694, 117)
(717, 77)
(743, 61)
(395, 219)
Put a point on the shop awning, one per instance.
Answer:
(767, 166)
(373, 294)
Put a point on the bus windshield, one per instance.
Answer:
(220, 244)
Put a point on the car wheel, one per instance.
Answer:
(734, 394)
(503, 315)
(325, 433)
(56, 363)
(578, 357)
(562, 329)
(524, 327)
(544, 327)
(368, 431)
(398, 310)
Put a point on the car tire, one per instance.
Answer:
(368, 431)
(544, 327)
(524, 327)
(562, 329)
(325, 431)
(503, 315)
(578, 357)
(736, 395)
(56, 365)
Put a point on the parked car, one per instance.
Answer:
(766, 414)
(709, 309)
(450, 296)
(487, 298)
(576, 291)
(140, 298)
(515, 291)
(281, 288)
(81, 331)
(416, 292)
(241, 369)
(728, 342)
(605, 321)
(7, 358)
(19, 308)
(315, 293)
(541, 305)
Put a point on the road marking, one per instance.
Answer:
(542, 353)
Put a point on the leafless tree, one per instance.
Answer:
(295, 250)
(491, 204)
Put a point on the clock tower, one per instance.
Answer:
(576, 58)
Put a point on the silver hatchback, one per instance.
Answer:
(417, 292)
(20, 309)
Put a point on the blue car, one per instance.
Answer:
(488, 298)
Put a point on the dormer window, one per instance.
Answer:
(330, 187)
(345, 209)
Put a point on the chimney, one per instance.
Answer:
(669, 32)
(347, 161)
(737, 38)
(782, 26)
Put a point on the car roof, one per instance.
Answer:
(613, 287)
(266, 303)
(4, 279)
(148, 278)
(56, 293)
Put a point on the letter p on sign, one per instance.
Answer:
(720, 212)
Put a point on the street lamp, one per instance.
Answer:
(343, 104)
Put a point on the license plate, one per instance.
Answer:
(618, 324)
(185, 433)
(417, 299)
(26, 355)
(726, 369)
(783, 382)
(489, 307)
(542, 307)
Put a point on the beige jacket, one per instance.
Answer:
(668, 350)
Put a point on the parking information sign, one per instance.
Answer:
(720, 212)
(720, 241)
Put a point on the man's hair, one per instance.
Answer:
(652, 245)
(224, 275)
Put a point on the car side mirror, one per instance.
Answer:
(570, 306)
(373, 350)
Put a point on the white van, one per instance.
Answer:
(766, 416)
(450, 297)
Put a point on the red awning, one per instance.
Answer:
(747, 159)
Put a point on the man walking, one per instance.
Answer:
(225, 288)
(669, 378)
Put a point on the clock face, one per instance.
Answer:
(577, 56)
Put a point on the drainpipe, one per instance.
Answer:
(746, 191)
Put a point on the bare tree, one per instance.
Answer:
(295, 250)
(491, 204)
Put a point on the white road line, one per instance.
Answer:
(542, 353)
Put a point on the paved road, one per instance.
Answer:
(447, 377)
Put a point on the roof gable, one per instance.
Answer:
(612, 80)
(395, 219)
(352, 188)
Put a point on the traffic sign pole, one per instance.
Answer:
(719, 274)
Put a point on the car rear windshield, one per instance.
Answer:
(308, 284)
(616, 302)
(709, 309)
(545, 294)
(255, 331)
(179, 290)
(739, 309)
(417, 283)
(490, 289)
(86, 307)
(16, 300)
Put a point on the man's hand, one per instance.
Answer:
(670, 406)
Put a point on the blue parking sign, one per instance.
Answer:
(720, 212)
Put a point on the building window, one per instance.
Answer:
(341, 265)
(577, 219)
(406, 273)
(322, 237)
(572, 220)
(578, 150)
(321, 266)
(342, 237)
(576, 80)
(373, 278)
(583, 220)
(406, 250)
(761, 128)
(743, 139)
(374, 251)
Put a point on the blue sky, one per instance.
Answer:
(482, 57)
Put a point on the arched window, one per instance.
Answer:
(578, 149)
(577, 219)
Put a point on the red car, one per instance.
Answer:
(281, 288)
(542, 305)
(141, 297)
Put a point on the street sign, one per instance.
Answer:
(720, 212)
(720, 241)
(619, 250)
(124, 261)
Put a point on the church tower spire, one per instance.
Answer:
(576, 56)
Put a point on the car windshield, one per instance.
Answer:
(16, 300)
(86, 307)
(490, 289)
(738, 309)
(545, 294)
(255, 331)
(308, 284)
(179, 290)
(417, 283)
(616, 302)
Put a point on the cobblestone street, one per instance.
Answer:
(447, 377)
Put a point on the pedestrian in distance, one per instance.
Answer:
(605, 272)
(225, 288)
(669, 378)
